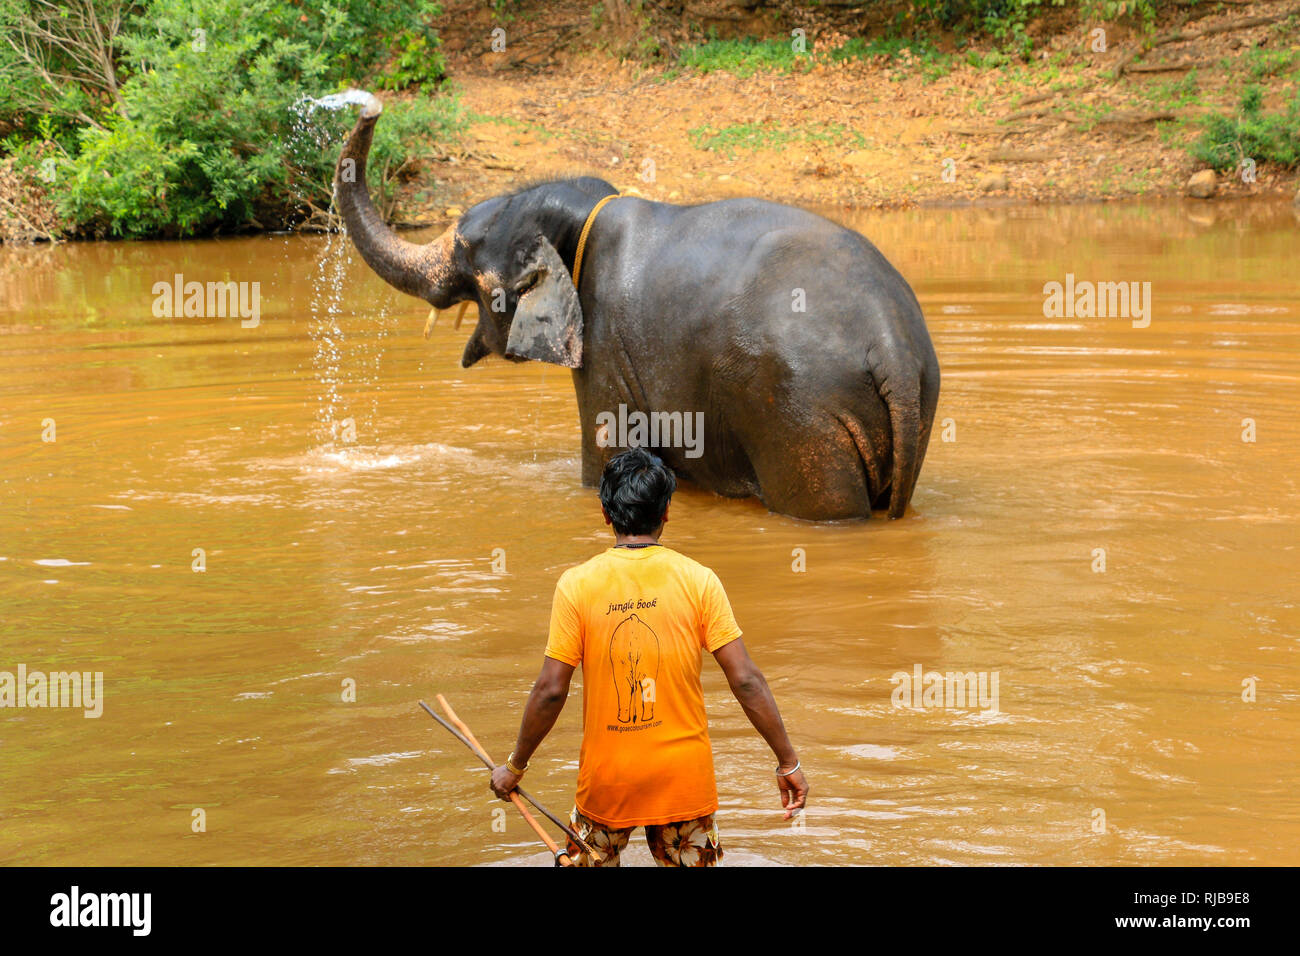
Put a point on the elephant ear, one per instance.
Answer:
(547, 326)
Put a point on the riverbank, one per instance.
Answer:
(1072, 123)
(827, 105)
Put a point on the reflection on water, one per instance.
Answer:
(374, 558)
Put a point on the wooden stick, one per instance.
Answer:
(483, 755)
(561, 857)
(467, 738)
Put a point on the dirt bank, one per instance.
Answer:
(1072, 123)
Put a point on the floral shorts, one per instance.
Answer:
(687, 843)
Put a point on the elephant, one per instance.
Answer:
(634, 655)
(800, 349)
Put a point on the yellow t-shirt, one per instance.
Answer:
(637, 620)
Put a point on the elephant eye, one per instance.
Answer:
(529, 282)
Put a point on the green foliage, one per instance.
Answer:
(1004, 21)
(51, 61)
(752, 136)
(746, 56)
(503, 11)
(1142, 12)
(990, 60)
(1176, 94)
(418, 62)
(1251, 134)
(208, 131)
(748, 136)
(1260, 63)
(916, 52)
(742, 57)
(356, 36)
(119, 183)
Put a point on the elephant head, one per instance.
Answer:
(498, 255)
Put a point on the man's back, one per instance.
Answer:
(637, 620)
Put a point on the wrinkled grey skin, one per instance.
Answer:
(822, 414)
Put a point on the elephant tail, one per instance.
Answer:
(911, 401)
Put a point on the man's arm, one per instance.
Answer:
(549, 693)
(755, 697)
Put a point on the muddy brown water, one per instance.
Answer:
(372, 560)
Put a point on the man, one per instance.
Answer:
(636, 618)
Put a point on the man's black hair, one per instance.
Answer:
(634, 488)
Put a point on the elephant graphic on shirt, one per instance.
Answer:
(634, 656)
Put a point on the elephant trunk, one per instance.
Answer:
(421, 271)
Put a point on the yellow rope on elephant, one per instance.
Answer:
(582, 238)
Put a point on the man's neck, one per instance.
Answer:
(634, 540)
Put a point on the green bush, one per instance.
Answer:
(1251, 134)
(119, 184)
(418, 62)
(1003, 21)
(1260, 64)
(207, 129)
(1140, 11)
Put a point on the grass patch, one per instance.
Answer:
(902, 52)
(748, 137)
(742, 57)
(747, 56)
(1260, 64)
(522, 126)
(1250, 133)
(1174, 94)
(1090, 114)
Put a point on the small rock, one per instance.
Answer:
(453, 212)
(993, 182)
(1203, 185)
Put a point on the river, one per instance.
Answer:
(1090, 526)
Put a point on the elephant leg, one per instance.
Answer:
(595, 395)
(837, 467)
(592, 463)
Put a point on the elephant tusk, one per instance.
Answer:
(460, 315)
(430, 322)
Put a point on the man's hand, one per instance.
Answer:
(794, 792)
(503, 781)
